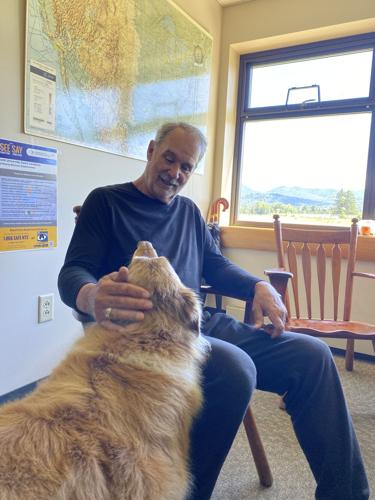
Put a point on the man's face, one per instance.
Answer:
(170, 165)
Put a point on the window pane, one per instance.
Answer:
(344, 76)
(310, 170)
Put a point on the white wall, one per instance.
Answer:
(28, 350)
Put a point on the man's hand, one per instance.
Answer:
(267, 302)
(126, 301)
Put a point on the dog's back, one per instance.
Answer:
(112, 421)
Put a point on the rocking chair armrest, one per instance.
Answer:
(364, 275)
(279, 280)
(211, 290)
(208, 289)
(277, 271)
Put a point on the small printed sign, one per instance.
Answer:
(28, 200)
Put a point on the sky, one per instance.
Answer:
(315, 152)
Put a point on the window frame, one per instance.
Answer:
(333, 107)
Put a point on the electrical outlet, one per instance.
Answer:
(45, 308)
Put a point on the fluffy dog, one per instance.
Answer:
(112, 421)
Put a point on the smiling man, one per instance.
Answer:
(171, 159)
(94, 281)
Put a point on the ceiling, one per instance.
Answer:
(226, 3)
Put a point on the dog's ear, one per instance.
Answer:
(190, 310)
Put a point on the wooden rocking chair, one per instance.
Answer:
(336, 243)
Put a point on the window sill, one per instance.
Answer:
(260, 238)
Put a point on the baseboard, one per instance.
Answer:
(18, 393)
(357, 355)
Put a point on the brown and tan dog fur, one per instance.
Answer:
(112, 421)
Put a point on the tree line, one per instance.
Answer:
(343, 206)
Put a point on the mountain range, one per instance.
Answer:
(295, 195)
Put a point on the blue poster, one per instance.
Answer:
(28, 196)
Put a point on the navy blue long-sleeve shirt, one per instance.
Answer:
(112, 221)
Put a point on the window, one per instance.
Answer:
(305, 139)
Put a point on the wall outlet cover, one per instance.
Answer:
(45, 308)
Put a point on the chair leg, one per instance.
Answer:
(349, 355)
(219, 302)
(259, 455)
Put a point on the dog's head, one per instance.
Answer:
(168, 294)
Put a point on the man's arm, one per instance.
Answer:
(223, 274)
(230, 279)
(80, 283)
(87, 249)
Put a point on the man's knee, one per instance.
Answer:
(312, 351)
(309, 364)
(231, 370)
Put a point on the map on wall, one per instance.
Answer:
(106, 73)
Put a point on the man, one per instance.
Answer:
(93, 281)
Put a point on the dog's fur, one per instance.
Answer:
(112, 421)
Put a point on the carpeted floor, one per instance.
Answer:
(292, 477)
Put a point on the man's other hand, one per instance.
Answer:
(267, 302)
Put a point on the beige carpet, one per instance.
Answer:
(292, 477)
